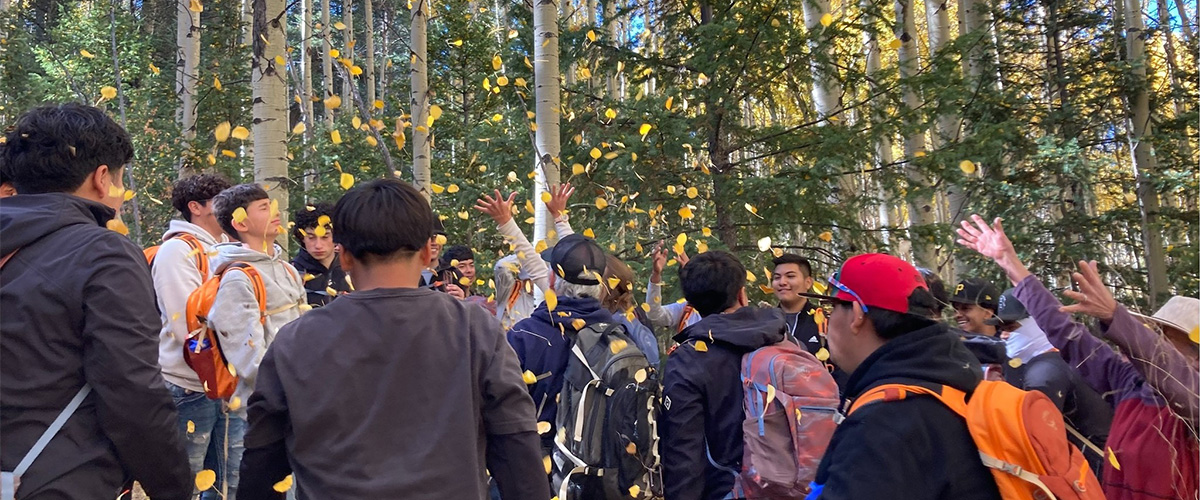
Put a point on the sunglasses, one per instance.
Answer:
(840, 286)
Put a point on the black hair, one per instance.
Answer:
(53, 149)
(890, 324)
(384, 218)
(306, 220)
(456, 252)
(199, 188)
(228, 201)
(937, 288)
(711, 281)
(791, 258)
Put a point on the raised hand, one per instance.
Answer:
(559, 195)
(682, 257)
(498, 208)
(1093, 298)
(658, 261)
(991, 242)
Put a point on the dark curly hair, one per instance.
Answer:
(228, 201)
(53, 149)
(199, 188)
(306, 219)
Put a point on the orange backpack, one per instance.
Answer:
(202, 350)
(1021, 437)
(197, 252)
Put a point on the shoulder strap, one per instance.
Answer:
(4, 260)
(197, 251)
(1087, 443)
(688, 311)
(951, 397)
(256, 283)
(55, 426)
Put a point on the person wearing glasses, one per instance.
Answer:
(880, 332)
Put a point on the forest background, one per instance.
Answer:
(820, 127)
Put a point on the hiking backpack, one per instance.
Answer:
(607, 442)
(197, 252)
(1021, 437)
(201, 349)
(791, 404)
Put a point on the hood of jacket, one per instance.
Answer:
(568, 310)
(181, 226)
(745, 329)
(25, 218)
(929, 356)
(306, 263)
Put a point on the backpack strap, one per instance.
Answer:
(688, 311)
(256, 283)
(197, 252)
(953, 398)
(51, 431)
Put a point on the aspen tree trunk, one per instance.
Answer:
(613, 83)
(187, 43)
(420, 97)
(826, 89)
(369, 15)
(1179, 105)
(547, 96)
(306, 84)
(385, 57)
(1144, 163)
(270, 104)
(921, 213)
(1186, 22)
(326, 61)
(348, 51)
(883, 147)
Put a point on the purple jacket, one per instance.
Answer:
(1153, 453)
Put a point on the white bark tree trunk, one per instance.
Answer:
(547, 94)
(921, 213)
(420, 97)
(326, 61)
(306, 88)
(883, 147)
(187, 41)
(369, 15)
(270, 103)
(348, 51)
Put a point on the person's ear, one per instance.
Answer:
(860, 318)
(426, 252)
(194, 207)
(808, 283)
(743, 300)
(348, 262)
(240, 225)
(102, 182)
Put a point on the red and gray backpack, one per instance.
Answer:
(791, 404)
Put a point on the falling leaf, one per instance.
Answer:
(686, 212)
(299, 128)
(543, 427)
(222, 132)
(578, 169)
(701, 346)
(589, 233)
(217, 83)
(551, 300)
(617, 346)
(639, 377)
(770, 393)
(108, 92)
(546, 463)
(1015, 362)
(371, 141)
(750, 276)
(154, 69)
(335, 136)
(706, 231)
(1112, 459)
(235, 403)
(766, 289)
(702, 79)
(339, 25)
(520, 82)
(1194, 335)
(284, 485)
(764, 244)
(820, 287)
(497, 63)
(347, 180)
(128, 195)
(464, 215)
(229, 153)
(529, 378)
(502, 80)
(825, 236)
(750, 208)
(894, 44)
(635, 490)
(333, 102)
(692, 192)
(670, 100)
(280, 60)
(701, 246)
(435, 112)
(205, 479)
(967, 167)
(578, 324)
(645, 307)
(826, 20)
(453, 188)
(240, 133)
(601, 203)
(86, 54)
(595, 153)
(610, 113)
(118, 226)
(591, 36)
(644, 129)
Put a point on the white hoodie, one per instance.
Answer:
(235, 316)
(175, 277)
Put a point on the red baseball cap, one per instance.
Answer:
(878, 280)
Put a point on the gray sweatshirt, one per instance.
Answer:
(244, 338)
(175, 277)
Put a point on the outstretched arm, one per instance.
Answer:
(499, 209)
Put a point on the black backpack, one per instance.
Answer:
(607, 442)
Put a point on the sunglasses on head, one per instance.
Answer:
(840, 286)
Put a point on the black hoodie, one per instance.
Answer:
(323, 278)
(78, 307)
(915, 448)
(702, 400)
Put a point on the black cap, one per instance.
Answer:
(574, 254)
(1008, 310)
(976, 291)
(455, 252)
(438, 227)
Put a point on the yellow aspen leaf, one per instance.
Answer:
(299, 128)
(229, 153)
(644, 129)
(371, 141)
(595, 153)
(610, 155)
(335, 136)
(585, 73)
(639, 377)
(766, 289)
(497, 63)
(578, 324)
(1112, 459)
(280, 60)
(346, 181)
(620, 66)
(378, 104)
(578, 169)
(751, 208)
(894, 44)
(129, 195)
(435, 112)
(692, 192)
(778, 252)
(527, 63)
(617, 346)
(1194, 335)
(631, 448)
(118, 226)
(512, 176)
(333, 102)
(217, 83)
(205, 479)
(610, 113)
(700, 346)
(457, 43)
(670, 101)
(701, 246)
(702, 79)
(437, 188)
(235, 403)
(589, 233)
(195, 6)
(764, 244)
(1015, 362)
(770, 393)
(356, 122)
(601, 203)
(546, 197)
(154, 69)
(540, 246)
(543, 427)
(529, 378)
(335, 53)
(826, 20)
(533, 126)
(339, 25)
(108, 92)
(440, 239)
(671, 189)
(212, 160)
(825, 236)
(511, 33)
(774, 23)
(86, 54)
(464, 215)
(284, 485)
(546, 464)
(635, 490)
(502, 80)
(520, 82)
(645, 307)
(551, 300)
(240, 215)
(221, 133)
(453, 188)
(356, 70)
(967, 167)
(591, 36)
(240, 133)
(750, 276)
(706, 231)
(191, 427)
(686, 212)
(823, 354)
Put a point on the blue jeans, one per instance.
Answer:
(215, 440)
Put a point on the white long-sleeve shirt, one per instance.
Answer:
(531, 262)
(666, 315)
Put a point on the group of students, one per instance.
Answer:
(371, 366)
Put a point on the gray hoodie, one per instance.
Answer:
(244, 338)
(175, 277)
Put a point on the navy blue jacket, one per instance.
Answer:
(543, 344)
(702, 400)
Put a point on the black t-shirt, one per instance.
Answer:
(390, 393)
